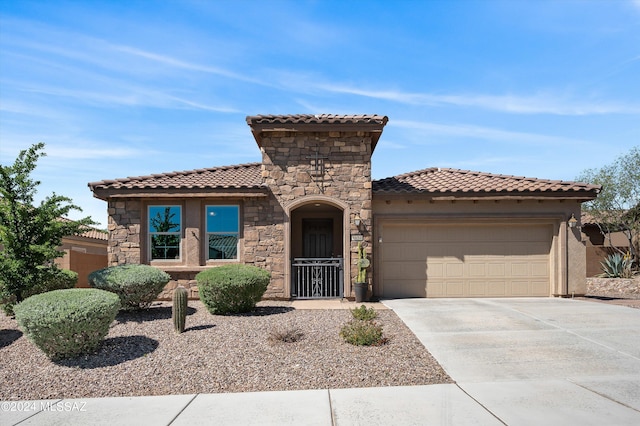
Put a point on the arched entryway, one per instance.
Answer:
(317, 249)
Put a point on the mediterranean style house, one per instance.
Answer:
(303, 210)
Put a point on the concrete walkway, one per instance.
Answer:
(536, 361)
(516, 361)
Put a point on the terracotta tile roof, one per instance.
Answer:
(238, 176)
(95, 234)
(318, 119)
(372, 123)
(462, 183)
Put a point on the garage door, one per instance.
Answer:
(481, 260)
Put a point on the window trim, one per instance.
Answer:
(238, 233)
(151, 234)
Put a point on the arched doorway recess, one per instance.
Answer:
(317, 249)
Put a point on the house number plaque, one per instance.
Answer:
(357, 237)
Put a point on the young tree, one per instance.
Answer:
(617, 207)
(30, 235)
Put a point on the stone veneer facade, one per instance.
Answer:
(289, 171)
(289, 175)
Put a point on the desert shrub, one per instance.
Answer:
(66, 323)
(232, 289)
(44, 279)
(286, 335)
(136, 285)
(362, 333)
(617, 266)
(58, 279)
(363, 313)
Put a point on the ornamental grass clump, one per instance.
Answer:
(232, 289)
(286, 335)
(67, 323)
(136, 285)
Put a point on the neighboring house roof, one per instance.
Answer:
(95, 234)
(463, 183)
(243, 176)
(319, 122)
(90, 233)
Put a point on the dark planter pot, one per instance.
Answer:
(361, 291)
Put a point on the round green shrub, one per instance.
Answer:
(66, 323)
(136, 285)
(233, 288)
(362, 333)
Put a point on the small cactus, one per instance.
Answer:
(179, 309)
(363, 264)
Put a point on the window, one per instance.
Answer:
(165, 230)
(223, 229)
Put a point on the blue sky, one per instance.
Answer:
(126, 88)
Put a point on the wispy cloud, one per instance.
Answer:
(536, 104)
(88, 152)
(478, 132)
(181, 64)
(131, 96)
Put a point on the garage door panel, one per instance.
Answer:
(401, 252)
(454, 270)
(477, 270)
(435, 270)
(407, 288)
(539, 288)
(496, 288)
(520, 288)
(405, 270)
(495, 269)
(477, 289)
(453, 288)
(488, 260)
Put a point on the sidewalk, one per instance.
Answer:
(410, 405)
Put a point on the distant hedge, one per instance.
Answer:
(232, 288)
(136, 285)
(59, 279)
(66, 323)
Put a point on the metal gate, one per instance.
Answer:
(317, 278)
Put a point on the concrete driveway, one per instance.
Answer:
(536, 361)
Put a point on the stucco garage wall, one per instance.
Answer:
(566, 254)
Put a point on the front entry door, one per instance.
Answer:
(317, 238)
(317, 274)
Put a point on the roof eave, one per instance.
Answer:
(374, 129)
(247, 192)
(580, 196)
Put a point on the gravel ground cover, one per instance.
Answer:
(142, 355)
(614, 291)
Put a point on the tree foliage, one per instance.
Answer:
(30, 234)
(617, 207)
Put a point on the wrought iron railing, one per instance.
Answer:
(317, 278)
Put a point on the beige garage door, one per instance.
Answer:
(469, 260)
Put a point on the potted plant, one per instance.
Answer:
(361, 286)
